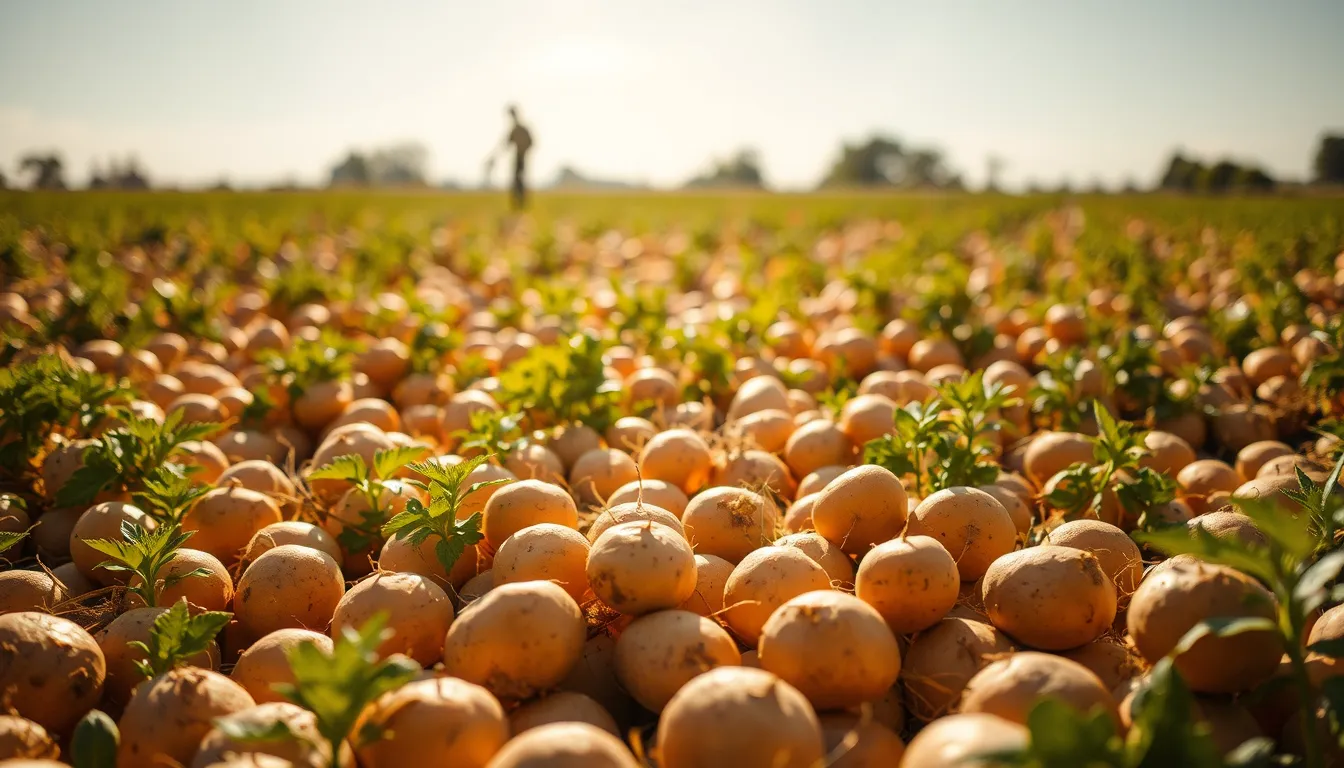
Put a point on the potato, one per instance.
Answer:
(768, 430)
(867, 417)
(1166, 453)
(207, 459)
(817, 444)
(1051, 452)
(953, 739)
(103, 521)
(941, 660)
(24, 739)
(289, 586)
(30, 591)
(1228, 524)
(516, 640)
(630, 512)
(561, 707)
(545, 552)
(289, 532)
(1049, 597)
(1274, 489)
(630, 433)
(861, 508)
(170, 715)
(525, 503)
(760, 393)
(860, 743)
(1176, 597)
(355, 525)
(438, 721)
(1117, 554)
(1254, 456)
(839, 568)
(364, 442)
(120, 658)
(754, 469)
(798, 517)
(418, 613)
(571, 441)
(678, 456)
(741, 717)
(1113, 662)
(1019, 510)
(477, 586)
(912, 582)
(226, 519)
(833, 647)
(660, 652)
(399, 555)
(266, 662)
(305, 749)
(263, 477)
(763, 581)
(599, 472)
(51, 670)
(565, 745)
(1201, 479)
(533, 461)
(729, 522)
(75, 583)
(657, 492)
(210, 589)
(970, 524)
(595, 677)
(640, 567)
(1010, 687)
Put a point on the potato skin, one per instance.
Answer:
(911, 581)
(865, 506)
(436, 721)
(120, 657)
(1048, 597)
(833, 647)
(169, 715)
(630, 512)
(729, 522)
(1177, 596)
(741, 717)
(877, 746)
(971, 524)
(265, 662)
(1051, 452)
(419, 613)
(711, 577)
(1117, 554)
(545, 552)
(950, 740)
(22, 738)
(289, 586)
(562, 707)
(226, 519)
(1010, 687)
(29, 591)
(103, 521)
(942, 659)
(525, 503)
(307, 750)
(763, 581)
(660, 652)
(516, 640)
(565, 745)
(52, 670)
(637, 568)
(678, 456)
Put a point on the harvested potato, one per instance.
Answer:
(290, 532)
(833, 647)
(1200, 480)
(306, 748)
(711, 576)
(437, 721)
(1052, 452)
(120, 658)
(562, 707)
(595, 677)
(640, 567)
(839, 568)
(289, 586)
(630, 512)
(598, 473)
(30, 591)
(659, 493)
(266, 663)
(210, 588)
(525, 503)
(953, 739)
(1020, 511)
(970, 524)
(51, 670)
(1010, 687)
(729, 522)
(660, 652)
(545, 552)
(1226, 523)
(763, 581)
(816, 444)
(1166, 453)
(861, 508)
(103, 521)
(859, 743)
(678, 456)
(1113, 662)
(1117, 554)
(170, 715)
(565, 745)
(754, 469)
(912, 582)
(1050, 597)
(1255, 455)
(399, 555)
(739, 716)
(22, 739)
(942, 659)
(226, 519)
(418, 613)
(516, 640)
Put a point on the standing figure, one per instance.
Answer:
(521, 139)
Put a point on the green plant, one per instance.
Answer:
(123, 458)
(439, 519)
(176, 636)
(307, 362)
(561, 384)
(45, 395)
(371, 482)
(145, 553)
(168, 493)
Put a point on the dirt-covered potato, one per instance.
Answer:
(517, 640)
(942, 659)
(863, 507)
(739, 716)
(115, 639)
(103, 521)
(289, 586)
(305, 748)
(22, 739)
(170, 715)
(51, 671)
(640, 567)
(912, 581)
(226, 519)
(525, 503)
(729, 522)
(418, 613)
(953, 739)
(1050, 597)
(763, 581)
(565, 745)
(266, 662)
(30, 591)
(1176, 597)
(711, 577)
(545, 552)
(1010, 687)
(839, 568)
(660, 652)
(437, 721)
(970, 524)
(833, 647)
(562, 707)
(1117, 554)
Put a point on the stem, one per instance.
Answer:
(1291, 610)
(335, 759)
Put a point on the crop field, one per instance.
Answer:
(382, 479)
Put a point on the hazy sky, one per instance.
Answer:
(256, 91)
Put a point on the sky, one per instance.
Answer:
(1078, 90)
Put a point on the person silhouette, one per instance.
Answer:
(521, 140)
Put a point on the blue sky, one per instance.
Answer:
(652, 90)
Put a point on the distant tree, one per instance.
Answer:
(47, 170)
(883, 161)
(993, 168)
(353, 171)
(4, 183)
(742, 169)
(1130, 186)
(1182, 173)
(399, 165)
(1329, 165)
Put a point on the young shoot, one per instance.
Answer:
(446, 492)
(176, 636)
(371, 483)
(123, 459)
(144, 554)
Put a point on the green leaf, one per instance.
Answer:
(176, 636)
(1179, 540)
(250, 731)
(1311, 588)
(10, 538)
(1222, 627)
(95, 741)
(1164, 730)
(349, 467)
(386, 463)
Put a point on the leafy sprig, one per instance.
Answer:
(46, 395)
(561, 384)
(1117, 451)
(418, 522)
(144, 554)
(123, 459)
(168, 493)
(371, 482)
(176, 636)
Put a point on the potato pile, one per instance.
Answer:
(682, 559)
